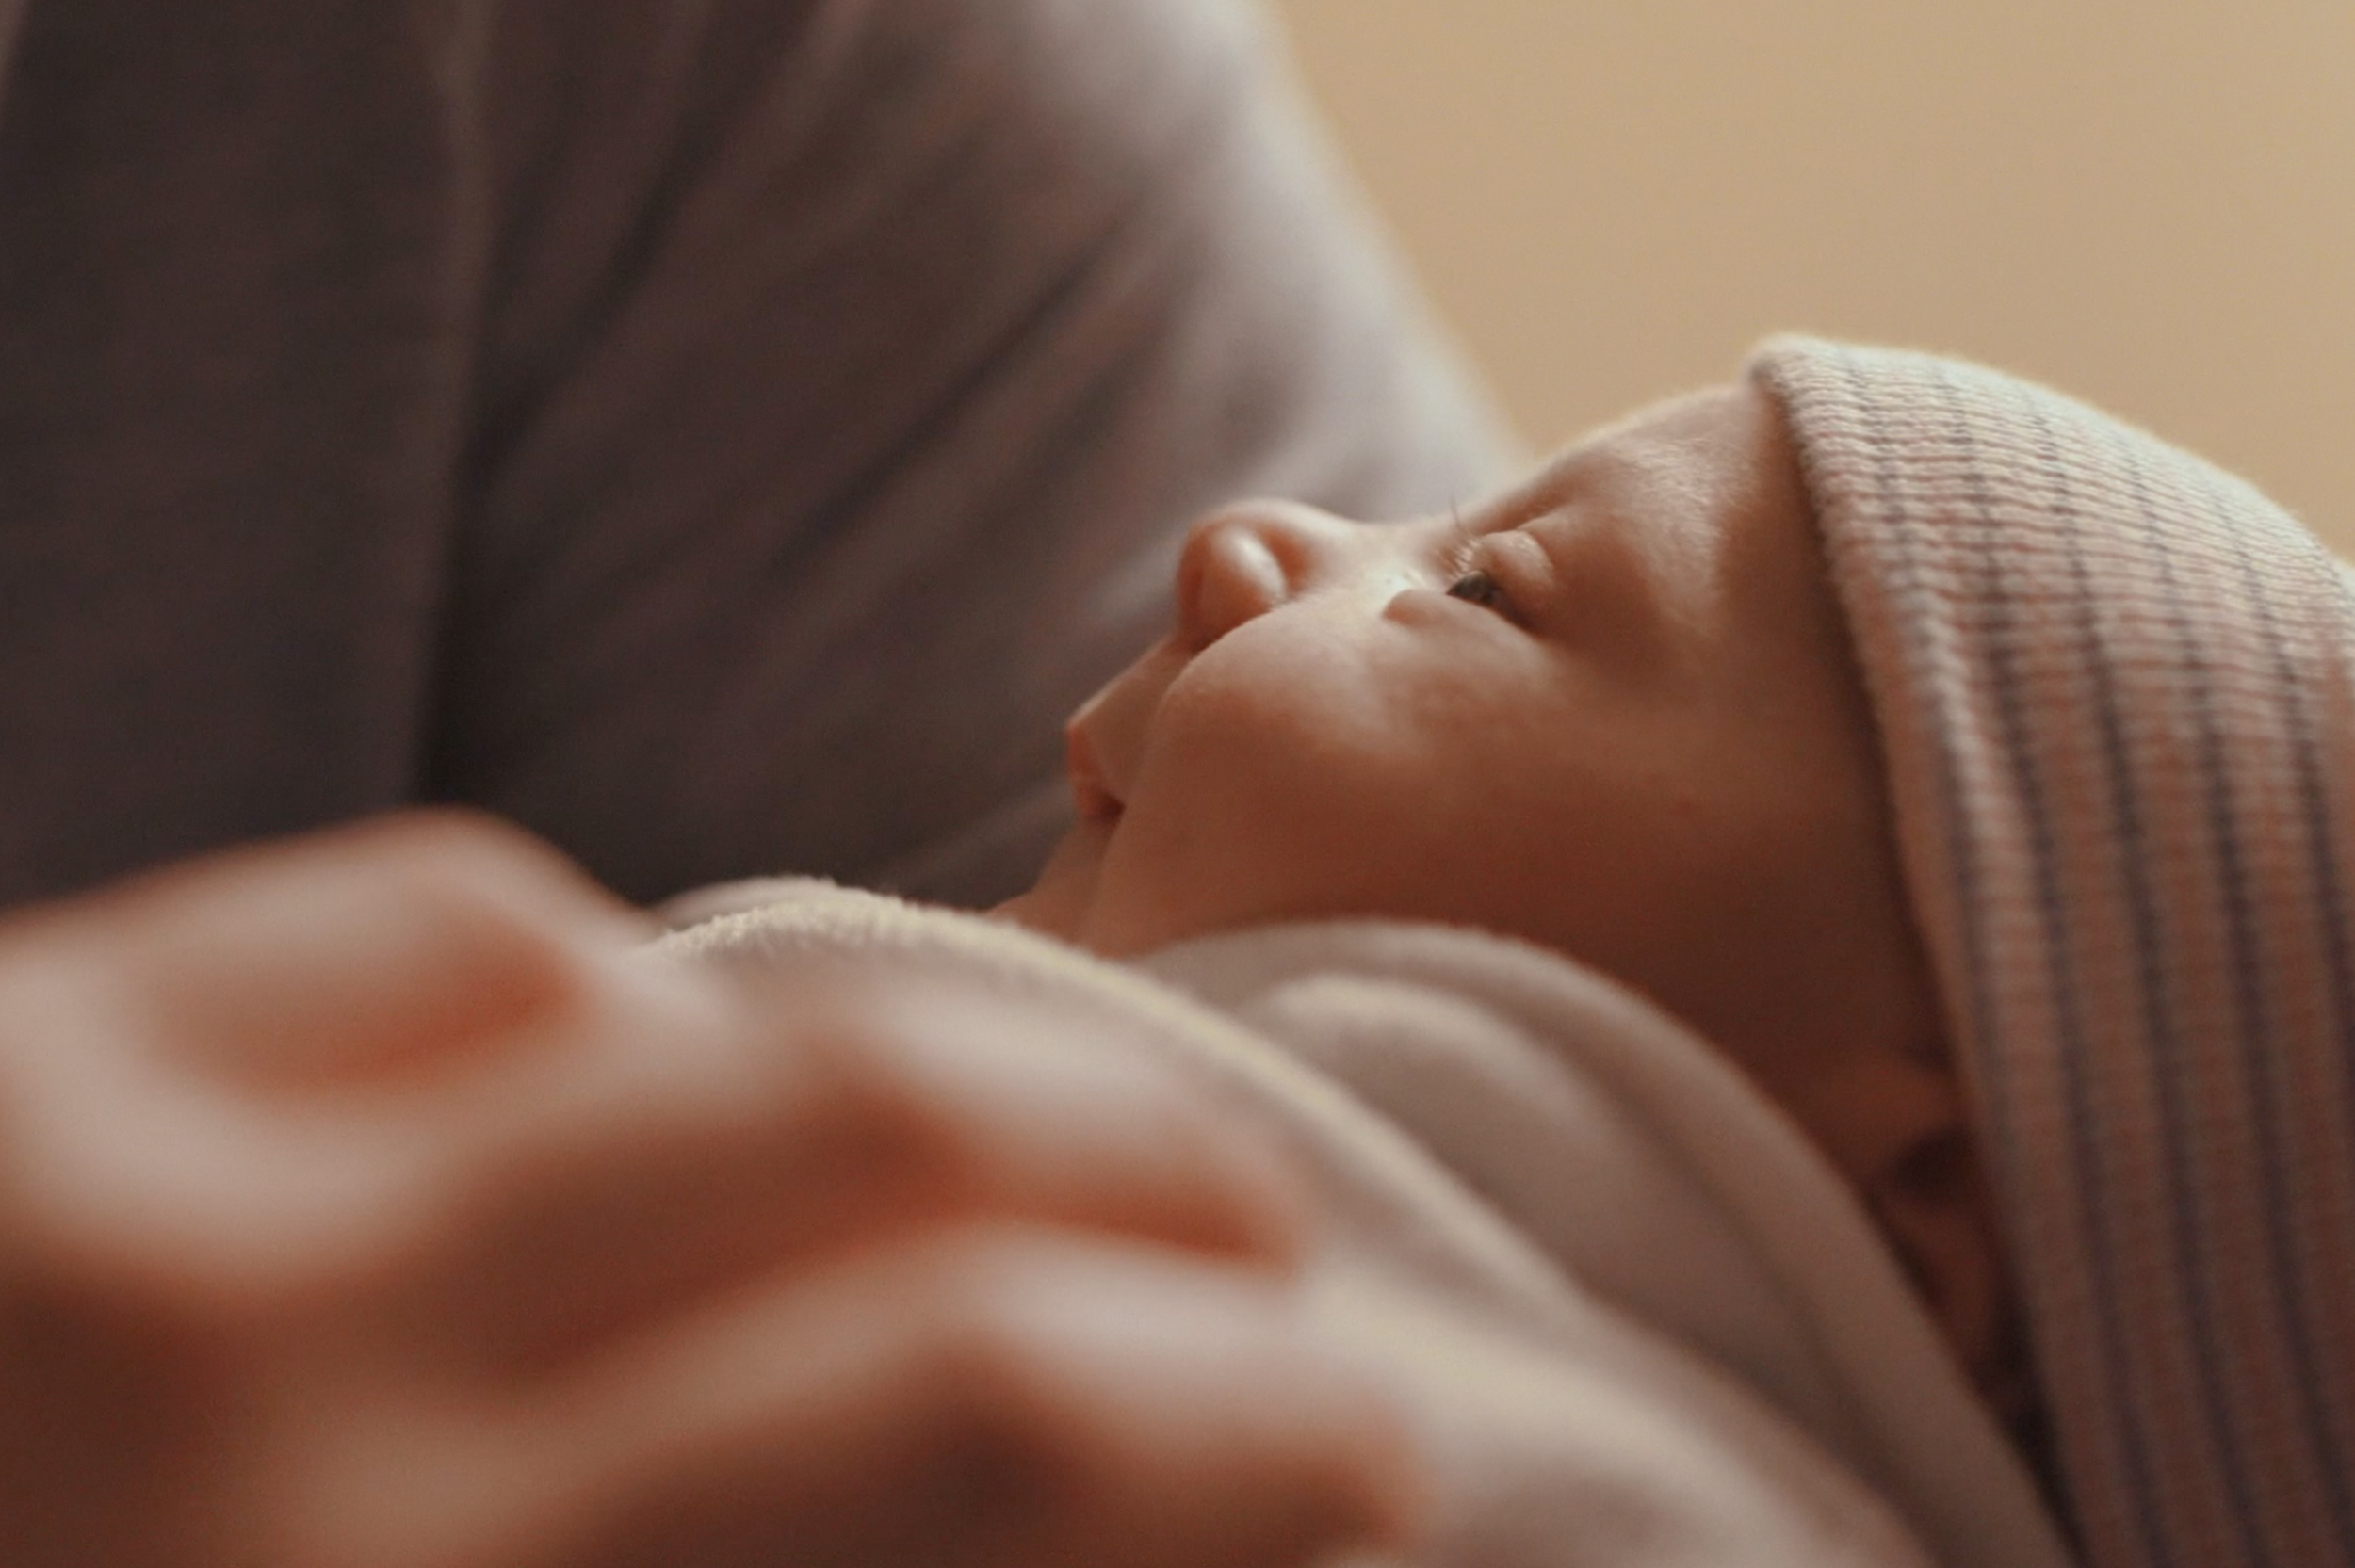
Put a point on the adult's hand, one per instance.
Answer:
(368, 1202)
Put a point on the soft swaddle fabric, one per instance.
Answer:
(1637, 1320)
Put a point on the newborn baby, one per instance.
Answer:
(1967, 774)
(1613, 712)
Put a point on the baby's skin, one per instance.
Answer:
(1613, 711)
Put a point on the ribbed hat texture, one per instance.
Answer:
(2116, 689)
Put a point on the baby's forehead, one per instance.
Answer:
(1686, 448)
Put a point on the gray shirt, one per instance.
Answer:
(724, 435)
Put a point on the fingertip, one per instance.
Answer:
(1013, 1109)
(1205, 1405)
(1062, 1399)
(374, 948)
(1392, 1498)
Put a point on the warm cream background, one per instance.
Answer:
(2149, 203)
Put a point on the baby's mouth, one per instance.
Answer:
(1091, 797)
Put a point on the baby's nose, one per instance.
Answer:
(1242, 562)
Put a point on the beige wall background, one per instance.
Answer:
(2148, 202)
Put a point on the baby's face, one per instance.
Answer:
(1613, 712)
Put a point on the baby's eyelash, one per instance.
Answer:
(1465, 580)
(1456, 555)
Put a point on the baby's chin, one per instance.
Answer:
(1060, 902)
(1135, 912)
(1073, 902)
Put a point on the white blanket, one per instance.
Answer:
(1639, 1322)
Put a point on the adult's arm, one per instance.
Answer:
(726, 437)
(915, 327)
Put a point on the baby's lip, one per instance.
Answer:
(1102, 740)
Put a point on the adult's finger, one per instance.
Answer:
(984, 1396)
(389, 947)
(234, 1079)
(403, 1077)
(597, 1197)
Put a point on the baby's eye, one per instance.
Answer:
(1480, 588)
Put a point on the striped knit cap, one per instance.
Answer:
(2117, 691)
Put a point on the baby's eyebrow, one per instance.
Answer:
(1549, 485)
(1611, 444)
(1542, 494)
(1587, 471)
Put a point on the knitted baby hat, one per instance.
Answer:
(2116, 688)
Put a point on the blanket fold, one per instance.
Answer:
(1637, 1320)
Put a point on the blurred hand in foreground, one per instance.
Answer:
(369, 1201)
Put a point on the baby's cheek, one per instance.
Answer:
(1270, 786)
(1182, 863)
